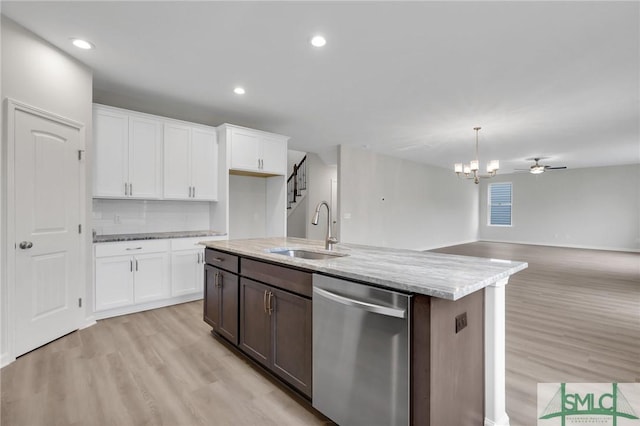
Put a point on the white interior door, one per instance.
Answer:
(47, 176)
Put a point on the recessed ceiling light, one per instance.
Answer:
(318, 41)
(82, 44)
(239, 91)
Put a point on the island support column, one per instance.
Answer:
(494, 355)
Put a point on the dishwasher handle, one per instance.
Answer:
(366, 306)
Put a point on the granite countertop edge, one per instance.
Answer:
(433, 274)
(108, 238)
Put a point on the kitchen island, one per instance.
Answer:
(456, 375)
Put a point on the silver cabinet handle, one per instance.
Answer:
(130, 189)
(136, 264)
(24, 245)
(131, 265)
(134, 248)
(126, 188)
(365, 306)
(269, 308)
(194, 192)
(264, 302)
(217, 259)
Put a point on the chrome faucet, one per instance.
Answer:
(331, 240)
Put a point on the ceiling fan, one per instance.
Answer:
(538, 168)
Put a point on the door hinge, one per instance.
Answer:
(80, 152)
(79, 229)
(80, 302)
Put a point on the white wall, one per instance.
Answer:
(247, 207)
(36, 73)
(595, 208)
(401, 204)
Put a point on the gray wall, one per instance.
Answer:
(297, 220)
(590, 208)
(38, 74)
(247, 207)
(319, 177)
(402, 204)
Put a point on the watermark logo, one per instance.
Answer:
(588, 404)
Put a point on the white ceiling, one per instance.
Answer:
(409, 79)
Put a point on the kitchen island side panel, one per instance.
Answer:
(457, 361)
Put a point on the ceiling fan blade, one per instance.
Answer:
(522, 170)
(555, 168)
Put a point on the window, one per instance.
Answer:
(500, 204)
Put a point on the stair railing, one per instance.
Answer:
(297, 182)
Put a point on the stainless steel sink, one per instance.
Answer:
(306, 254)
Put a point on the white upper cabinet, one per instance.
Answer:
(274, 154)
(191, 163)
(111, 145)
(145, 157)
(128, 154)
(254, 151)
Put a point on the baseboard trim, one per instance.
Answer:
(488, 422)
(88, 322)
(576, 246)
(456, 243)
(5, 360)
(146, 306)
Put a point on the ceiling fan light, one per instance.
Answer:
(536, 170)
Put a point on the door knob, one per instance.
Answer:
(25, 245)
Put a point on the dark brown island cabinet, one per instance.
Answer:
(221, 294)
(265, 310)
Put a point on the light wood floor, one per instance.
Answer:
(573, 316)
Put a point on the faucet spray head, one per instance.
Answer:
(316, 216)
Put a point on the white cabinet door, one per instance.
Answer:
(151, 277)
(177, 176)
(114, 282)
(145, 157)
(204, 164)
(245, 150)
(111, 165)
(187, 272)
(274, 155)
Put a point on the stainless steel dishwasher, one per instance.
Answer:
(360, 353)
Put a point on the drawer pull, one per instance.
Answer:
(134, 248)
(217, 259)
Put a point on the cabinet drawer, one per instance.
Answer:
(286, 278)
(187, 243)
(131, 247)
(222, 260)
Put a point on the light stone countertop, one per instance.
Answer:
(433, 274)
(107, 238)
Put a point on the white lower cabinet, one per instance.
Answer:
(137, 275)
(114, 282)
(187, 266)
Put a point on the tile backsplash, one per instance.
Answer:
(136, 216)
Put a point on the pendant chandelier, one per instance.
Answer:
(471, 170)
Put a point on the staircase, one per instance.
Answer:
(297, 185)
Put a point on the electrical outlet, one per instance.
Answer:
(461, 322)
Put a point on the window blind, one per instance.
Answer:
(500, 204)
